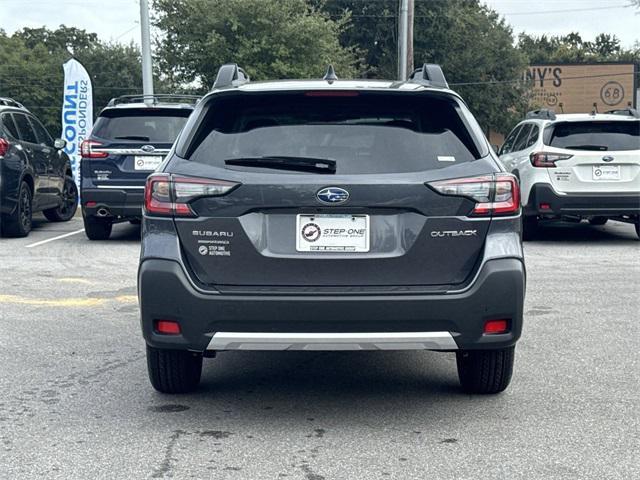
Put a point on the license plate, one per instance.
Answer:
(332, 233)
(147, 162)
(606, 172)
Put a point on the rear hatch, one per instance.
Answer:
(128, 143)
(330, 191)
(601, 156)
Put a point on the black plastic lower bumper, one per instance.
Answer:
(584, 204)
(123, 203)
(165, 293)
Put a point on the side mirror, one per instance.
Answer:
(59, 143)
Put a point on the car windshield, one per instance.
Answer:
(360, 133)
(158, 125)
(599, 136)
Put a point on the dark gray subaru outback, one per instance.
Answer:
(331, 215)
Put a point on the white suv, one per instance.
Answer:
(577, 166)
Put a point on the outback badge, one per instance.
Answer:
(332, 195)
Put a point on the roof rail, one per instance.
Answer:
(542, 114)
(155, 99)
(230, 75)
(630, 112)
(429, 74)
(10, 102)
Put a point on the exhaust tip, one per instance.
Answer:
(102, 212)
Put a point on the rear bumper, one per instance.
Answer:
(445, 321)
(584, 204)
(120, 202)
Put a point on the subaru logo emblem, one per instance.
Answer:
(607, 158)
(147, 148)
(333, 195)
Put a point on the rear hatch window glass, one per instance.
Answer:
(597, 136)
(148, 125)
(360, 132)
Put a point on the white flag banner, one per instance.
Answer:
(77, 112)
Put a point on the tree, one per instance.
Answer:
(32, 69)
(270, 38)
(472, 43)
(572, 48)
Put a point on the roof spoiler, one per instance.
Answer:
(429, 74)
(541, 114)
(230, 75)
(155, 99)
(629, 112)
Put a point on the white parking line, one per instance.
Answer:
(37, 244)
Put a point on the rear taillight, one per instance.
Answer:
(167, 195)
(497, 194)
(547, 160)
(87, 150)
(4, 147)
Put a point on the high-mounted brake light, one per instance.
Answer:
(497, 194)
(547, 160)
(4, 147)
(332, 93)
(87, 149)
(166, 195)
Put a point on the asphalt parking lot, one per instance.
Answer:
(75, 401)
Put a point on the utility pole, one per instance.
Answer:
(402, 39)
(145, 51)
(410, 7)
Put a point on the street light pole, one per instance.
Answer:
(145, 51)
(403, 22)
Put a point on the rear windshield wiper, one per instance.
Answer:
(133, 137)
(299, 164)
(599, 148)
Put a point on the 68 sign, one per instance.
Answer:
(612, 93)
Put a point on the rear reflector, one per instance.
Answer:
(496, 326)
(497, 194)
(167, 327)
(90, 204)
(545, 206)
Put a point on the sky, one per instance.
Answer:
(118, 20)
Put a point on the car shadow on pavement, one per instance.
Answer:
(296, 385)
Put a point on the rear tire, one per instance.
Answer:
(173, 371)
(529, 227)
(18, 224)
(97, 228)
(67, 209)
(638, 227)
(485, 371)
(598, 220)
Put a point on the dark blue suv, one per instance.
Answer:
(129, 140)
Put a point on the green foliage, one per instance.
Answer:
(270, 38)
(31, 69)
(572, 48)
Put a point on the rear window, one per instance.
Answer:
(157, 125)
(599, 136)
(365, 133)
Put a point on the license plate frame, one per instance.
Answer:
(333, 233)
(606, 173)
(146, 163)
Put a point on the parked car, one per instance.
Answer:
(35, 172)
(130, 138)
(576, 166)
(331, 215)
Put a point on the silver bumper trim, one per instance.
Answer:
(332, 341)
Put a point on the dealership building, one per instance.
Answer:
(581, 88)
